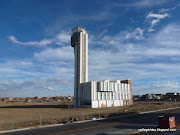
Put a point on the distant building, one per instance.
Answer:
(38, 97)
(172, 97)
(159, 96)
(47, 98)
(137, 97)
(174, 94)
(95, 94)
(151, 96)
(70, 98)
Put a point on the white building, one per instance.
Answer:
(95, 94)
(106, 93)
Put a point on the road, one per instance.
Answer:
(111, 126)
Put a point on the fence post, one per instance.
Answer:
(60, 117)
(99, 114)
(63, 117)
(12, 123)
(40, 120)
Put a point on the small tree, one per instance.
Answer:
(27, 100)
(3, 99)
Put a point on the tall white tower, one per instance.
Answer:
(79, 41)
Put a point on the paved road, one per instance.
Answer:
(110, 126)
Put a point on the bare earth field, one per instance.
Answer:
(21, 115)
(36, 109)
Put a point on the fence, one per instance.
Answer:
(40, 120)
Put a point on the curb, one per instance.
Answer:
(158, 110)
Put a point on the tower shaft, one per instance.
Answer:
(79, 41)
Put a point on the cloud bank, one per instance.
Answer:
(62, 38)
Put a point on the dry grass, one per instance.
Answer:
(34, 103)
(49, 114)
(49, 109)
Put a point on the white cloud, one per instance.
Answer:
(50, 88)
(154, 19)
(13, 39)
(154, 52)
(14, 85)
(158, 16)
(154, 22)
(169, 36)
(151, 47)
(143, 3)
(50, 54)
(34, 77)
(43, 42)
(158, 87)
(169, 9)
(135, 60)
(62, 38)
(113, 60)
(149, 2)
(119, 38)
(21, 68)
(136, 34)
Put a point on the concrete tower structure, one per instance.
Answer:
(95, 94)
(79, 41)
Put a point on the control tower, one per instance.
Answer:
(79, 41)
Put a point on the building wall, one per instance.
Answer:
(106, 94)
(130, 101)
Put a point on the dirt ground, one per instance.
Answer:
(51, 108)
(31, 114)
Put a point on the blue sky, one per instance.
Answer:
(137, 40)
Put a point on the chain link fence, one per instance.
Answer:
(41, 120)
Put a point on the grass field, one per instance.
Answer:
(51, 108)
(19, 115)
